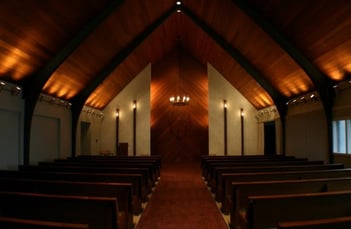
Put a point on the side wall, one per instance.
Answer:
(220, 89)
(50, 132)
(138, 89)
(11, 130)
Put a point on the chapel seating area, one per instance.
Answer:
(92, 192)
(258, 192)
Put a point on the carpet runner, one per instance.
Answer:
(181, 200)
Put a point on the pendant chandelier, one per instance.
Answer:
(180, 99)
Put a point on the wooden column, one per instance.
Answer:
(134, 127)
(225, 127)
(117, 131)
(242, 130)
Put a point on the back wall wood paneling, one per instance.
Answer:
(179, 133)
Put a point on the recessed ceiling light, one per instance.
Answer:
(179, 3)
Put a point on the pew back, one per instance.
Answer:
(242, 190)
(121, 191)
(338, 222)
(11, 222)
(97, 212)
(268, 211)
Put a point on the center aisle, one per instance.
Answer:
(181, 200)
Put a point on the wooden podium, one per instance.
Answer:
(123, 149)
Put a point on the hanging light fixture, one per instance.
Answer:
(180, 99)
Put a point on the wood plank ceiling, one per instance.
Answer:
(33, 32)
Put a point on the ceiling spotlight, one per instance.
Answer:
(312, 96)
(178, 3)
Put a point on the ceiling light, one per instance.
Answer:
(178, 3)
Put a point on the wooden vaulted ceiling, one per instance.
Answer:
(89, 50)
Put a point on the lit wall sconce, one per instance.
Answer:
(241, 112)
(16, 90)
(225, 127)
(134, 104)
(2, 85)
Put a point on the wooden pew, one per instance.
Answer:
(205, 159)
(11, 222)
(242, 190)
(144, 172)
(212, 175)
(121, 191)
(209, 173)
(327, 223)
(153, 171)
(150, 172)
(153, 158)
(97, 212)
(268, 211)
(264, 176)
(222, 186)
(139, 192)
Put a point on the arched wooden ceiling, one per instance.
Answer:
(89, 50)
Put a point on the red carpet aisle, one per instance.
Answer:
(181, 200)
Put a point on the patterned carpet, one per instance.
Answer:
(181, 200)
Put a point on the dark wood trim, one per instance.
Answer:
(134, 126)
(225, 128)
(117, 131)
(242, 131)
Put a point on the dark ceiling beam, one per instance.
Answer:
(277, 97)
(33, 85)
(323, 85)
(79, 100)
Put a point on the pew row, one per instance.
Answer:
(121, 191)
(334, 223)
(11, 222)
(153, 169)
(226, 176)
(268, 211)
(265, 176)
(97, 212)
(242, 190)
(86, 169)
(211, 172)
(139, 192)
(206, 159)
